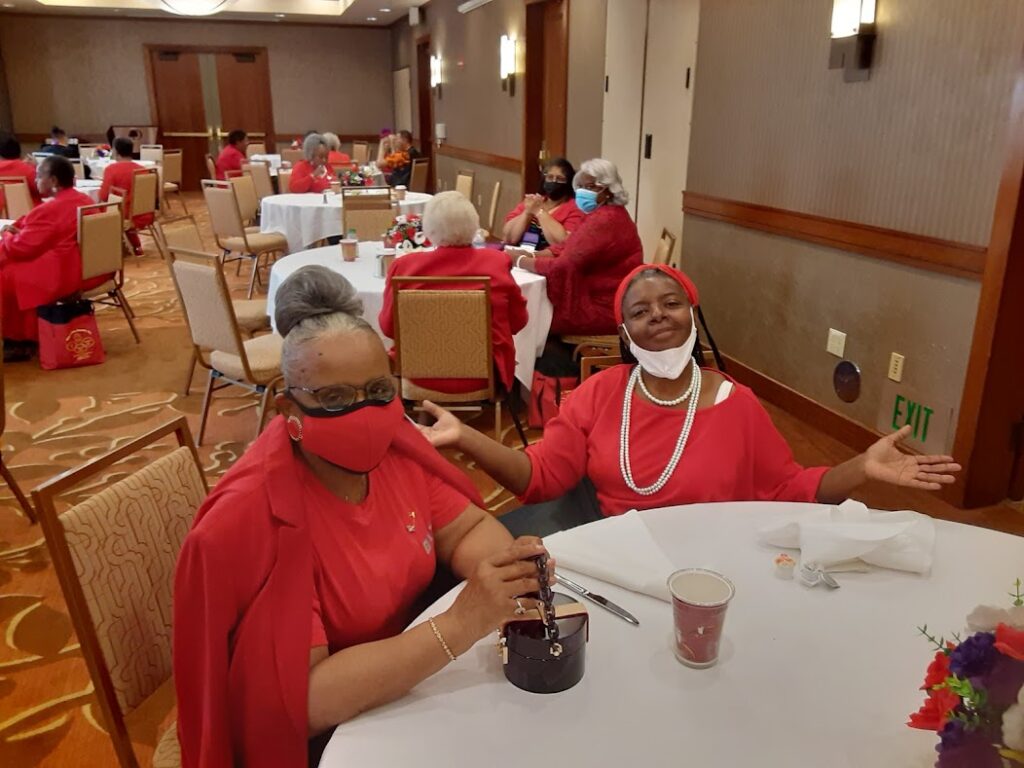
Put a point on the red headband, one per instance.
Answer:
(678, 275)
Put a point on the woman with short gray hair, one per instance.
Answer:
(335, 156)
(582, 280)
(312, 174)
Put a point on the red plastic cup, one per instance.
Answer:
(700, 599)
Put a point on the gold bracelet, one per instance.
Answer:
(440, 639)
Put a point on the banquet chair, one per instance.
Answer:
(145, 188)
(492, 211)
(445, 333)
(172, 165)
(248, 198)
(17, 200)
(231, 234)
(420, 175)
(291, 156)
(152, 152)
(211, 167)
(261, 177)
(79, 167)
(464, 183)
(360, 152)
(23, 502)
(370, 214)
(114, 553)
(87, 151)
(666, 245)
(254, 364)
(590, 364)
(255, 149)
(100, 230)
(284, 180)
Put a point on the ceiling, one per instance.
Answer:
(379, 13)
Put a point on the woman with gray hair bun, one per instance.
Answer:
(312, 173)
(295, 586)
(334, 154)
(582, 280)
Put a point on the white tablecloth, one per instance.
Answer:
(91, 187)
(5, 222)
(273, 160)
(99, 164)
(306, 219)
(362, 274)
(806, 677)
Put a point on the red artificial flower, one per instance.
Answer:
(934, 713)
(1010, 641)
(938, 671)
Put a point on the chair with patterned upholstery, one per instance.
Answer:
(367, 210)
(445, 333)
(254, 364)
(115, 553)
(260, 173)
(360, 152)
(464, 181)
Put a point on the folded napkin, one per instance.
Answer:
(619, 550)
(903, 541)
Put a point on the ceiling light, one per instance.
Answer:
(385, 10)
(195, 7)
(371, 18)
(8, 5)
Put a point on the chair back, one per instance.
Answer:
(145, 188)
(153, 152)
(225, 218)
(366, 198)
(464, 183)
(260, 173)
(79, 167)
(284, 180)
(419, 175)
(99, 239)
(369, 223)
(17, 198)
(207, 303)
(443, 328)
(115, 554)
(87, 151)
(172, 166)
(360, 152)
(211, 167)
(182, 232)
(666, 244)
(492, 212)
(255, 149)
(291, 156)
(248, 199)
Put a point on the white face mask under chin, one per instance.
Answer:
(668, 363)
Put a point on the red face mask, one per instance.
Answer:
(356, 440)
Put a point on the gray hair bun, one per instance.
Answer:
(314, 291)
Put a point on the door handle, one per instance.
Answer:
(648, 145)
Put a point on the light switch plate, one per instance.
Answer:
(836, 342)
(896, 367)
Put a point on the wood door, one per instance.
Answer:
(176, 98)
(546, 97)
(243, 85)
(426, 107)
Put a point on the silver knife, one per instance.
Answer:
(604, 602)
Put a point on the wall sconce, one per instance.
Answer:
(853, 38)
(435, 73)
(508, 64)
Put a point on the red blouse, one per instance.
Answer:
(303, 179)
(119, 175)
(567, 214)
(582, 281)
(229, 159)
(734, 452)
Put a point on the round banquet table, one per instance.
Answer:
(806, 677)
(362, 273)
(305, 218)
(91, 187)
(99, 164)
(274, 161)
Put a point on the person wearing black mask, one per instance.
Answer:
(546, 220)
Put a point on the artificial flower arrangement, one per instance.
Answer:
(406, 232)
(353, 178)
(975, 690)
(103, 150)
(297, 144)
(396, 160)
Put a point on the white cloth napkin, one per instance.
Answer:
(903, 541)
(619, 550)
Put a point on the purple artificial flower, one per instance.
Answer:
(974, 656)
(971, 750)
(951, 735)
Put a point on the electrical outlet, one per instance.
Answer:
(896, 366)
(836, 342)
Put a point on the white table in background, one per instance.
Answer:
(99, 164)
(806, 677)
(306, 219)
(91, 187)
(5, 222)
(273, 160)
(362, 273)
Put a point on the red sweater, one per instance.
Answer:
(119, 175)
(20, 169)
(734, 452)
(582, 281)
(566, 214)
(508, 307)
(229, 159)
(303, 179)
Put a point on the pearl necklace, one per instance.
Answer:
(624, 464)
(666, 403)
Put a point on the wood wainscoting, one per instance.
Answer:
(502, 163)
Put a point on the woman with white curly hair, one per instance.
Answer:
(335, 156)
(312, 173)
(582, 281)
(450, 222)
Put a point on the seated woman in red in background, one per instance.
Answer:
(232, 155)
(118, 175)
(295, 587)
(312, 174)
(335, 156)
(12, 166)
(546, 220)
(39, 257)
(450, 222)
(622, 427)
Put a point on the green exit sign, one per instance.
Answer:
(918, 415)
(930, 420)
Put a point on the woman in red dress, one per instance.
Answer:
(595, 257)
(232, 155)
(118, 175)
(295, 587)
(450, 222)
(12, 166)
(335, 157)
(623, 428)
(312, 174)
(546, 220)
(39, 257)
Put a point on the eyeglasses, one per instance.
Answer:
(556, 178)
(593, 186)
(338, 397)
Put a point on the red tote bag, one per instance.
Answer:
(69, 336)
(547, 394)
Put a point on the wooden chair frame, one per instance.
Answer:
(418, 180)
(670, 239)
(23, 502)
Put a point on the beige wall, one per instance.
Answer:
(586, 78)
(918, 148)
(88, 74)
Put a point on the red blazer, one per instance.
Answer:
(229, 159)
(582, 281)
(338, 158)
(119, 175)
(304, 181)
(567, 214)
(43, 259)
(23, 170)
(243, 597)
(508, 307)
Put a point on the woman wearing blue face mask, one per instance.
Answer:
(595, 257)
